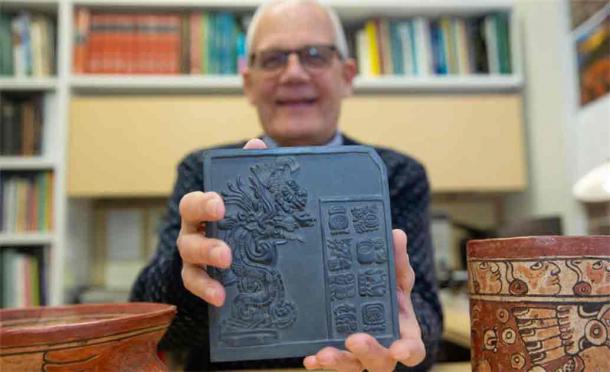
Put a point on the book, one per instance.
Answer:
(373, 48)
(439, 58)
(6, 45)
(491, 39)
(478, 46)
(362, 50)
(423, 47)
(503, 36)
(396, 48)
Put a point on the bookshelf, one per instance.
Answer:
(117, 84)
(85, 111)
(33, 101)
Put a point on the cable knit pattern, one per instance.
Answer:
(161, 280)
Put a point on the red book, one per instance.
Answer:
(195, 25)
(105, 43)
(81, 39)
(94, 55)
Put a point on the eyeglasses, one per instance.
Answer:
(310, 56)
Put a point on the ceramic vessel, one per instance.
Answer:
(540, 303)
(100, 337)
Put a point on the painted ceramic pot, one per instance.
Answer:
(100, 337)
(540, 303)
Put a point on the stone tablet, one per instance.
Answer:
(311, 237)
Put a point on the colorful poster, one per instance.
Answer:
(593, 52)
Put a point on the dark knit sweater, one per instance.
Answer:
(161, 281)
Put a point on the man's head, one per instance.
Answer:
(298, 95)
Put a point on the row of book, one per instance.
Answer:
(435, 46)
(27, 44)
(24, 276)
(196, 42)
(27, 201)
(21, 125)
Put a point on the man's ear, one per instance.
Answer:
(246, 75)
(348, 72)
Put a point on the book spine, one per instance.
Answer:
(374, 59)
(423, 46)
(185, 44)
(6, 46)
(36, 43)
(503, 35)
(195, 42)
(405, 34)
(491, 40)
(362, 50)
(396, 49)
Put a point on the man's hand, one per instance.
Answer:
(363, 350)
(198, 251)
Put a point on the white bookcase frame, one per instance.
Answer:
(65, 84)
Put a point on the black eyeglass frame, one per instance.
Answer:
(285, 54)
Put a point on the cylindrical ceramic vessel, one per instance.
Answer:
(99, 337)
(540, 303)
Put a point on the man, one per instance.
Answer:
(297, 76)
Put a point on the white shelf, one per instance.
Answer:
(45, 5)
(165, 83)
(25, 163)
(215, 84)
(342, 6)
(28, 83)
(461, 84)
(27, 238)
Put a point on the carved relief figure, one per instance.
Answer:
(340, 254)
(261, 215)
(342, 286)
(373, 317)
(372, 283)
(345, 318)
(365, 218)
(371, 251)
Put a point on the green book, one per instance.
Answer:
(503, 35)
(6, 46)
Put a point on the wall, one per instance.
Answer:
(562, 143)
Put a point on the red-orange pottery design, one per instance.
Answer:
(540, 303)
(96, 337)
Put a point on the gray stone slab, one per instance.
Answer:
(310, 233)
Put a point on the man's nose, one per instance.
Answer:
(294, 70)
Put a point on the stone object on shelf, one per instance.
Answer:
(311, 238)
(540, 303)
(100, 337)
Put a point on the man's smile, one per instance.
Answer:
(295, 102)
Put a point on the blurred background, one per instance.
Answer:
(504, 101)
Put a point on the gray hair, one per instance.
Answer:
(340, 40)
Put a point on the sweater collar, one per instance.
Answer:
(337, 140)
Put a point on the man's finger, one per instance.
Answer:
(199, 250)
(197, 207)
(408, 352)
(198, 282)
(404, 272)
(339, 360)
(372, 355)
(311, 362)
(255, 144)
